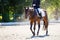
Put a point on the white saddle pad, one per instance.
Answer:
(42, 12)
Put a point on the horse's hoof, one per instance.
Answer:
(33, 34)
(47, 35)
(37, 34)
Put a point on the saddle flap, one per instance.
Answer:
(41, 11)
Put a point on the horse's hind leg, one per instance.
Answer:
(46, 31)
(46, 25)
(31, 23)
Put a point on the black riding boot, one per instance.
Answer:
(40, 15)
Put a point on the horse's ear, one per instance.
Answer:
(32, 9)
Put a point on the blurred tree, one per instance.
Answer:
(55, 4)
(5, 11)
(51, 6)
(13, 9)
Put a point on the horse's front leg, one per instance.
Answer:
(34, 26)
(38, 26)
(31, 23)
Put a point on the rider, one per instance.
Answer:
(36, 5)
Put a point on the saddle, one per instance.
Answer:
(39, 12)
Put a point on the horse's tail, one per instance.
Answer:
(46, 15)
(46, 21)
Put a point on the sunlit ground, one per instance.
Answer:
(22, 32)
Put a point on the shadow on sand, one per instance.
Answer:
(41, 36)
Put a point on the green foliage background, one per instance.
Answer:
(13, 10)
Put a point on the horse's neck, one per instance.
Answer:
(31, 13)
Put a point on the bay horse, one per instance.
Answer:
(34, 18)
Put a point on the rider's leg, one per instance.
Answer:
(39, 12)
(36, 11)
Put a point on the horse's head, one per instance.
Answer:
(28, 11)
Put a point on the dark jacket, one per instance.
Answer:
(37, 3)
